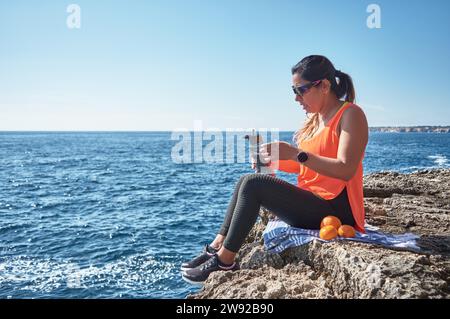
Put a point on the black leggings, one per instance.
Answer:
(293, 205)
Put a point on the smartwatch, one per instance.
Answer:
(302, 157)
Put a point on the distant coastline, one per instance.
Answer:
(384, 129)
(408, 129)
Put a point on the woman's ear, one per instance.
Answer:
(325, 86)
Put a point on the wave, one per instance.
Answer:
(440, 160)
(141, 273)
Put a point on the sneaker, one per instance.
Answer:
(207, 253)
(199, 274)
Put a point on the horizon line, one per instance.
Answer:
(179, 130)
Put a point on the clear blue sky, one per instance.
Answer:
(160, 65)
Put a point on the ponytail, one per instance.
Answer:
(344, 87)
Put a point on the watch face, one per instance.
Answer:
(302, 157)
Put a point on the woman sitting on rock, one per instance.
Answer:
(328, 160)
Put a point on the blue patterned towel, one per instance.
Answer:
(279, 236)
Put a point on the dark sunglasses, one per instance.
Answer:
(300, 90)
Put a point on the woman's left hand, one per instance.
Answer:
(285, 151)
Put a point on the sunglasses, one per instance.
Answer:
(301, 90)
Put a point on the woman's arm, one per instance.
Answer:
(352, 144)
(288, 166)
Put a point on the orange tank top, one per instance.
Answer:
(326, 144)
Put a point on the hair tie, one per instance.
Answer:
(337, 73)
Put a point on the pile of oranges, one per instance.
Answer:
(331, 227)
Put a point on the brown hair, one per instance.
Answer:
(318, 67)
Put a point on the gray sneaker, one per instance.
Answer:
(207, 253)
(199, 274)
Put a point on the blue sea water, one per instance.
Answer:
(110, 215)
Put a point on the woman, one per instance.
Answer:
(327, 158)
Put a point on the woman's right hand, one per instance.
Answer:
(264, 160)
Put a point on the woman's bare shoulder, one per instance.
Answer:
(353, 116)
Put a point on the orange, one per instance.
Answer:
(346, 231)
(328, 232)
(331, 220)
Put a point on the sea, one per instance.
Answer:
(114, 214)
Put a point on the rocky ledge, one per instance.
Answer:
(408, 129)
(396, 203)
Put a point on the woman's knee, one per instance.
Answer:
(244, 178)
(252, 182)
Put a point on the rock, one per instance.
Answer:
(397, 203)
(406, 129)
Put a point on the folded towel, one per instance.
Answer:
(279, 236)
